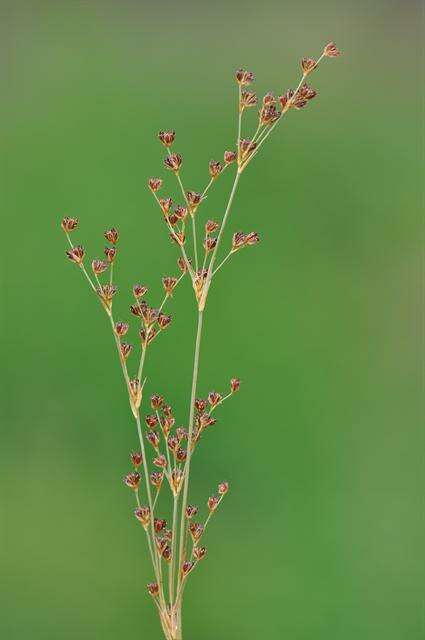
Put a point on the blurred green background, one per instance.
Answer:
(323, 447)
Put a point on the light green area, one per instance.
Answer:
(319, 537)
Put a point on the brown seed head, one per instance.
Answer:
(107, 292)
(331, 50)
(173, 162)
(286, 100)
(76, 254)
(178, 237)
(181, 454)
(167, 137)
(69, 224)
(243, 77)
(247, 147)
(155, 184)
(132, 480)
(252, 238)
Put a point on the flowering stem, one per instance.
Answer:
(189, 446)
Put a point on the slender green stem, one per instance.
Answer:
(189, 445)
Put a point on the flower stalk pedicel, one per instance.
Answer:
(166, 450)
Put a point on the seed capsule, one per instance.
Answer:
(132, 480)
(112, 235)
(153, 589)
(139, 290)
(194, 199)
(248, 99)
(156, 478)
(151, 421)
(76, 254)
(196, 530)
(180, 212)
(200, 404)
(99, 266)
(121, 328)
(211, 226)
(181, 454)
(136, 458)
(159, 524)
(154, 184)
(308, 65)
(176, 479)
(156, 401)
(210, 244)
(126, 349)
(181, 263)
(178, 237)
(160, 461)
(165, 204)
(187, 567)
(166, 554)
(247, 147)
(269, 99)
(164, 320)
(69, 224)
(153, 438)
(167, 137)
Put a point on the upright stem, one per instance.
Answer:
(189, 445)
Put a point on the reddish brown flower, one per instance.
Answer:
(159, 524)
(200, 404)
(269, 99)
(121, 328)
(136, 458)
(248, 99)
(69, 224)
(196, 530)
(213, 503)
(187, 567)
(164, 320)
(199, 552)
(76, 254)
(308, 65)
(214, 398)
(156, 401)
(238, 240)
(178, 237)
(132, 480)
(210, 244)
(156, 478)
(153, 589)
(151, 421)
(126, 349)
(99, 266)
(223, 488)
(269, 115)
(155, 184)
(166, 554)
(143, 514)
(244, 77)
(191, 511)
(215, 168)
(181, 454)
(181, 263)
(153, 438)
(165, 204)
(286, 100)
(167, 137)
(169, 282)
(211, 226)
(112, 235)
(229, 156)
(173, 162)
(139, 290)
(247, 147)
(331, 50)
(160, 461)
(252, 238)
(110, 253)
(194, 199)
(235, 383)
(181, 434)
(107, 292)
(180, 212)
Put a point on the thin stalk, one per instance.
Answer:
(189, 445)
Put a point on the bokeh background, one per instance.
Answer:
(323, 447)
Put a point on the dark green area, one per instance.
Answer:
(319, 537)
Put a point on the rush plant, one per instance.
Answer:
(176, 549)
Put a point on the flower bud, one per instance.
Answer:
(167, 137)
(112, 235)
(176, 479)
(69, 224)
(76, 254)
(154, 184)
(135, 389)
